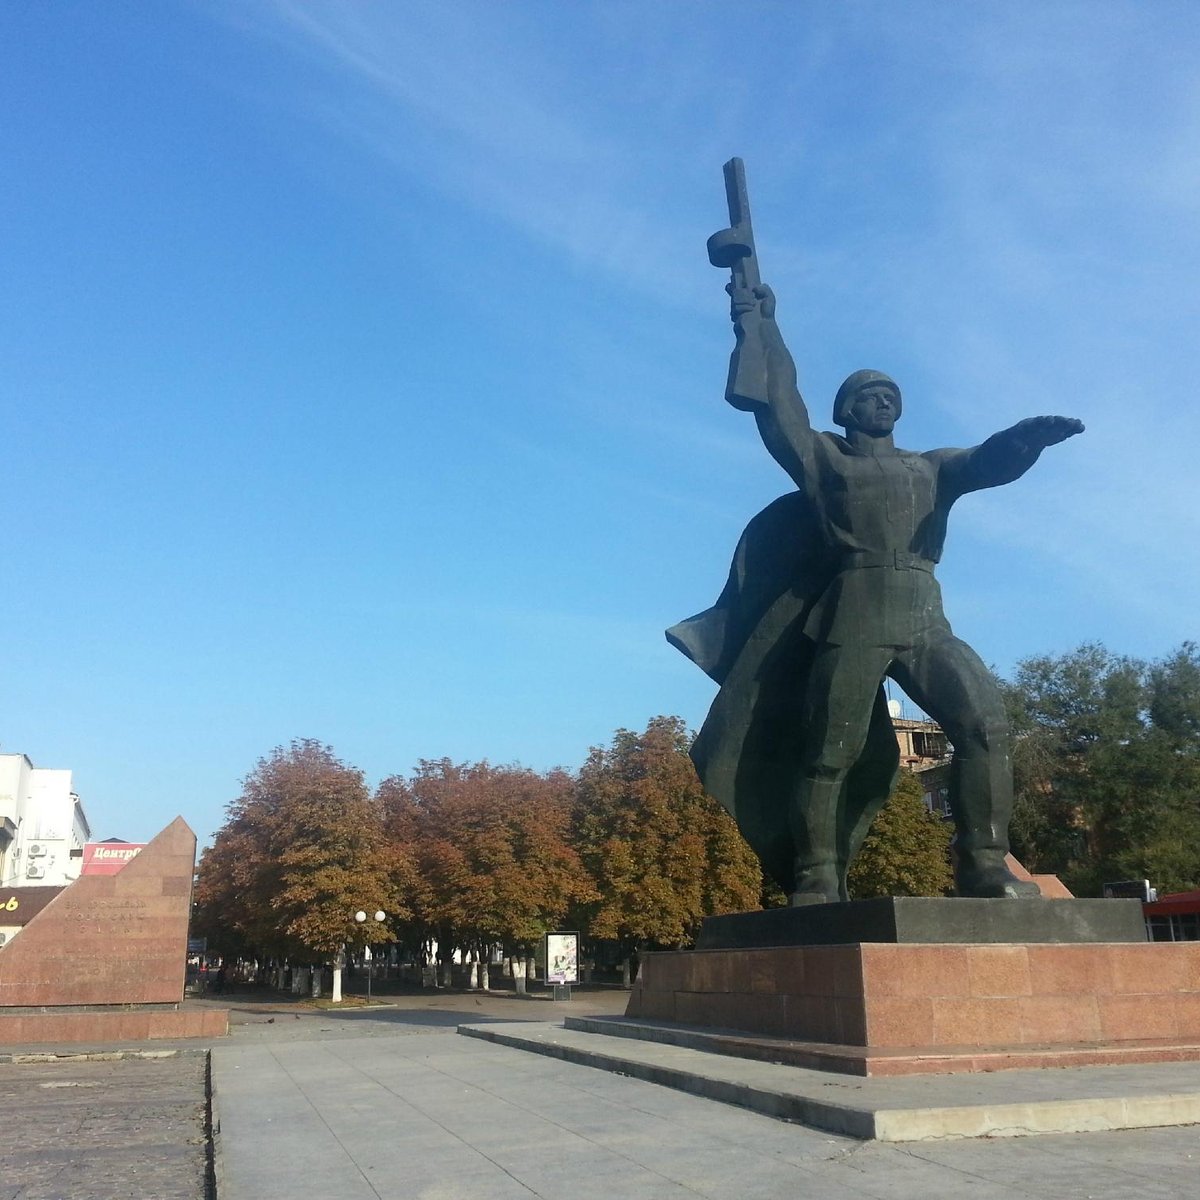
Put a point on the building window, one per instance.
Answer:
(928, 744)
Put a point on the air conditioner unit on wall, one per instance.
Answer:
(35, 871)
(36, 849)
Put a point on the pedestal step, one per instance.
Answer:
(914, 1108)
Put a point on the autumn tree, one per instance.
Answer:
(1106, 759)
(302, 849)
(663, 853)
(492, 850)
(907, 850)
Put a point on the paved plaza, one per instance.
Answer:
(393, 1103)
(103, 1129)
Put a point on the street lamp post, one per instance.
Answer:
(361, 918)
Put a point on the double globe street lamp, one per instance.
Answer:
(361, 918)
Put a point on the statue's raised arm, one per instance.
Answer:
(762, 373)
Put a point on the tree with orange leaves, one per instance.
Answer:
(491, 846)
(663, 853)
(302, 848)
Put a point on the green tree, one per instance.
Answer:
(906, 852)
(1106, 761)
(302, 849)
(664, 855)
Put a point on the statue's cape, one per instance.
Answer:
(781, 555)
(751, 642)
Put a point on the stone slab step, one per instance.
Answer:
(893, 1109)
(875, 1061)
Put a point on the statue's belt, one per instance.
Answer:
(900, 559)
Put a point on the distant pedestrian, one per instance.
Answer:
(219, 986)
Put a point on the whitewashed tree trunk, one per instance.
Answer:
(316, 981)
(339, 961)
(483, 974)
(473, 971)
(625, 973)
(518, 974)
(531, 969)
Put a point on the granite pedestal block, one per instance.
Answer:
(935, 1002)
(928, 920)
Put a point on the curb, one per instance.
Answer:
(215, 1160)
(49, 1056)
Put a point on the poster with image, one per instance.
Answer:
(562, 958)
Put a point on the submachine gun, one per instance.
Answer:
(733, 249)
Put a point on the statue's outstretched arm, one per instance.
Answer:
(1007, 455)
(767, 386)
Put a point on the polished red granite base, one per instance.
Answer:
(114, 1025)
(945, 1006)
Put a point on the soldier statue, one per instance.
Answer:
(832, 590)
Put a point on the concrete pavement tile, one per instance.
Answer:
(884, 1172)
(1044, 1170)
(435, 1119)
(724, 1170)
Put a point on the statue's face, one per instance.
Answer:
(876, 409)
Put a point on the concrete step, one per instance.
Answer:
(892, 1109)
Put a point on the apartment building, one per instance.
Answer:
(43, 827)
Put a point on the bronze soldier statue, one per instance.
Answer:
(832, 589)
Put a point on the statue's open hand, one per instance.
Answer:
(1047, 431)
(746, 300)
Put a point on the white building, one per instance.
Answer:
(42, 825)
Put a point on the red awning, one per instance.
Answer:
(1176, 903)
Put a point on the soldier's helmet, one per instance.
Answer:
(853, 385)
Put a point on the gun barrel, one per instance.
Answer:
(733, 248)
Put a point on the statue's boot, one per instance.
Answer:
(984, 874)
(980, 846)
(814, 832)
(982, 798)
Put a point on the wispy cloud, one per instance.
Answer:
(1000, 205)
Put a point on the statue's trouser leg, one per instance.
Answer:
(841, 690)
(868, 786)
(950, 682)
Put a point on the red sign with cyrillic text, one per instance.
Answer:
(107, 858)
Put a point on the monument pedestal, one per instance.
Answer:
(105, 960)
(891, 1007)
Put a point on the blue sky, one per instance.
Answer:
(361, 365)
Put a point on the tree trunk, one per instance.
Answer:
(518, 973)
(447, 972)
(531, 969)
(625, 972)
(339, 961)
(473, 971)
(316, 981)
(484, 983)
